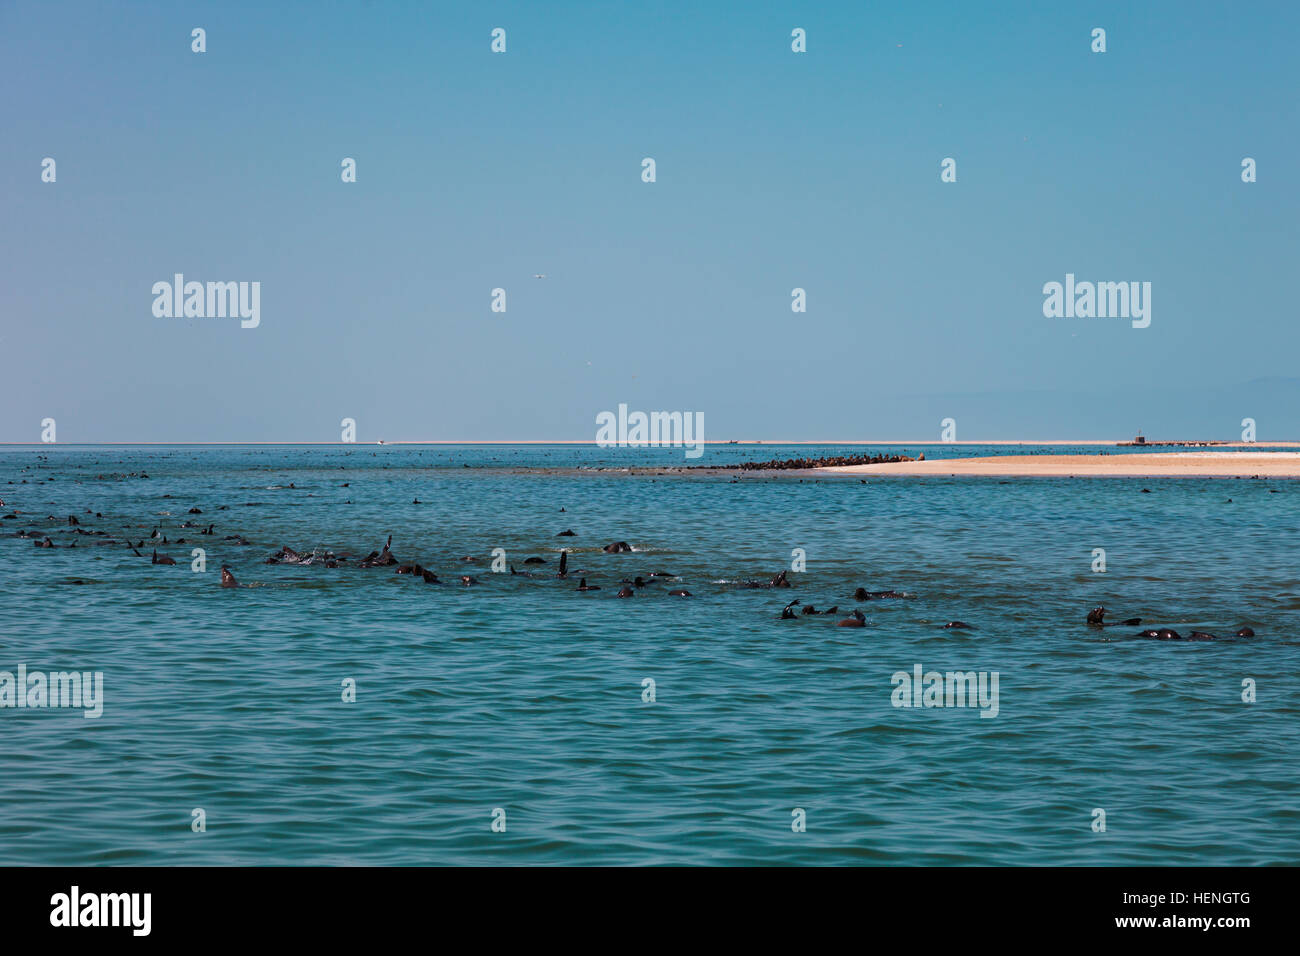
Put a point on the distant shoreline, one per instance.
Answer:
(1275, 464)
(1108, 443)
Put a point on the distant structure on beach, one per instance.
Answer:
(1139, 440)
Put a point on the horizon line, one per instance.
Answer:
(647, 445)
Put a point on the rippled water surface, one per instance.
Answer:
(523, 694)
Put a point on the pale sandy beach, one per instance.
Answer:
(1208, 464)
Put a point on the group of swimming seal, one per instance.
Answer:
(856, 618)
(628, 589)
(1096, 619)
(386, 558)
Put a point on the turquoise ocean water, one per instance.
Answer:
(521, 693)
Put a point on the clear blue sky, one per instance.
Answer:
(775, 170)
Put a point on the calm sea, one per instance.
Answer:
(524, 696)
